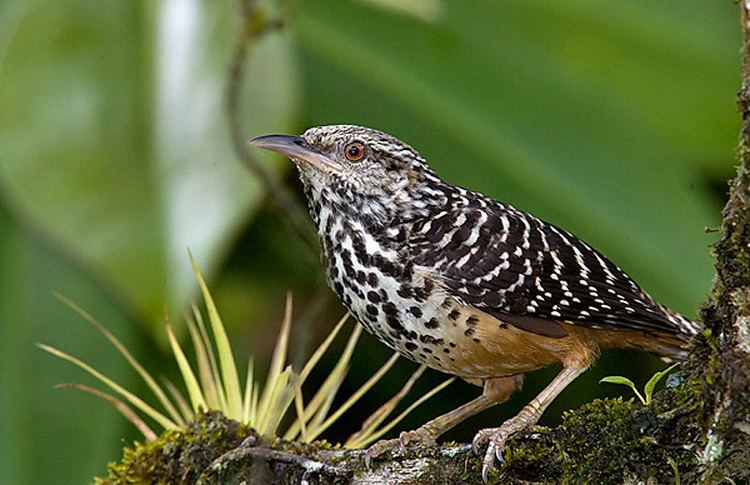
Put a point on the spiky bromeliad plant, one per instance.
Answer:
(213, 383)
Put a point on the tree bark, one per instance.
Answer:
(697, 429)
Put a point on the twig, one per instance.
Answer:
(254, 24)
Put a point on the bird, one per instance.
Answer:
(465, 284)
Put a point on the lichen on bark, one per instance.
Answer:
(698, 428)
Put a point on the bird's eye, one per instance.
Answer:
(354, 151)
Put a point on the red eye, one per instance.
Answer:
(354, 151)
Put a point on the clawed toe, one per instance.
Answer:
(481, 438)
(495, 439)
(378, 449)
(406, 438)
(494, 451)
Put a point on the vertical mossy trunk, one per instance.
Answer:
(698, 429)
(727, 315)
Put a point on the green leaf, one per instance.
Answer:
(319, 428)
(623, 381)
(123, 350)
(136, 401)
(268, 403)
(377, 434)
(230, 378)
(648, 389)
(317, 408)
(192, 385)
(126, 411)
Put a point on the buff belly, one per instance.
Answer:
(462, 341)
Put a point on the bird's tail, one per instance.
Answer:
(687, 328)
(673, 347)
(668, 348)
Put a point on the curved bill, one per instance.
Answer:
(297, 149)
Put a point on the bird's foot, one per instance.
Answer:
(419, 436)
(496, 438)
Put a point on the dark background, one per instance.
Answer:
(613, 119)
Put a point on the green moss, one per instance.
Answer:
(614, 441)
(177, 456)
(605, 441)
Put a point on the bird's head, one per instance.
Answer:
(352, 161)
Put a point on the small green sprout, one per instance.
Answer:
(676, 470)
(648, 389)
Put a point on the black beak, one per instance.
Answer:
(297, 149)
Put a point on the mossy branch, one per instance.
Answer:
(697, 430)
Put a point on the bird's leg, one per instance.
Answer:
(495, 391)
(528, 417)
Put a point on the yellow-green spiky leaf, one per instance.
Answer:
(188, 376)
(129, 396)
(229, 375)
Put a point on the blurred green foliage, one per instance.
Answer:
(613, 119)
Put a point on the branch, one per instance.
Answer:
(727, 315)
(254, 25)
